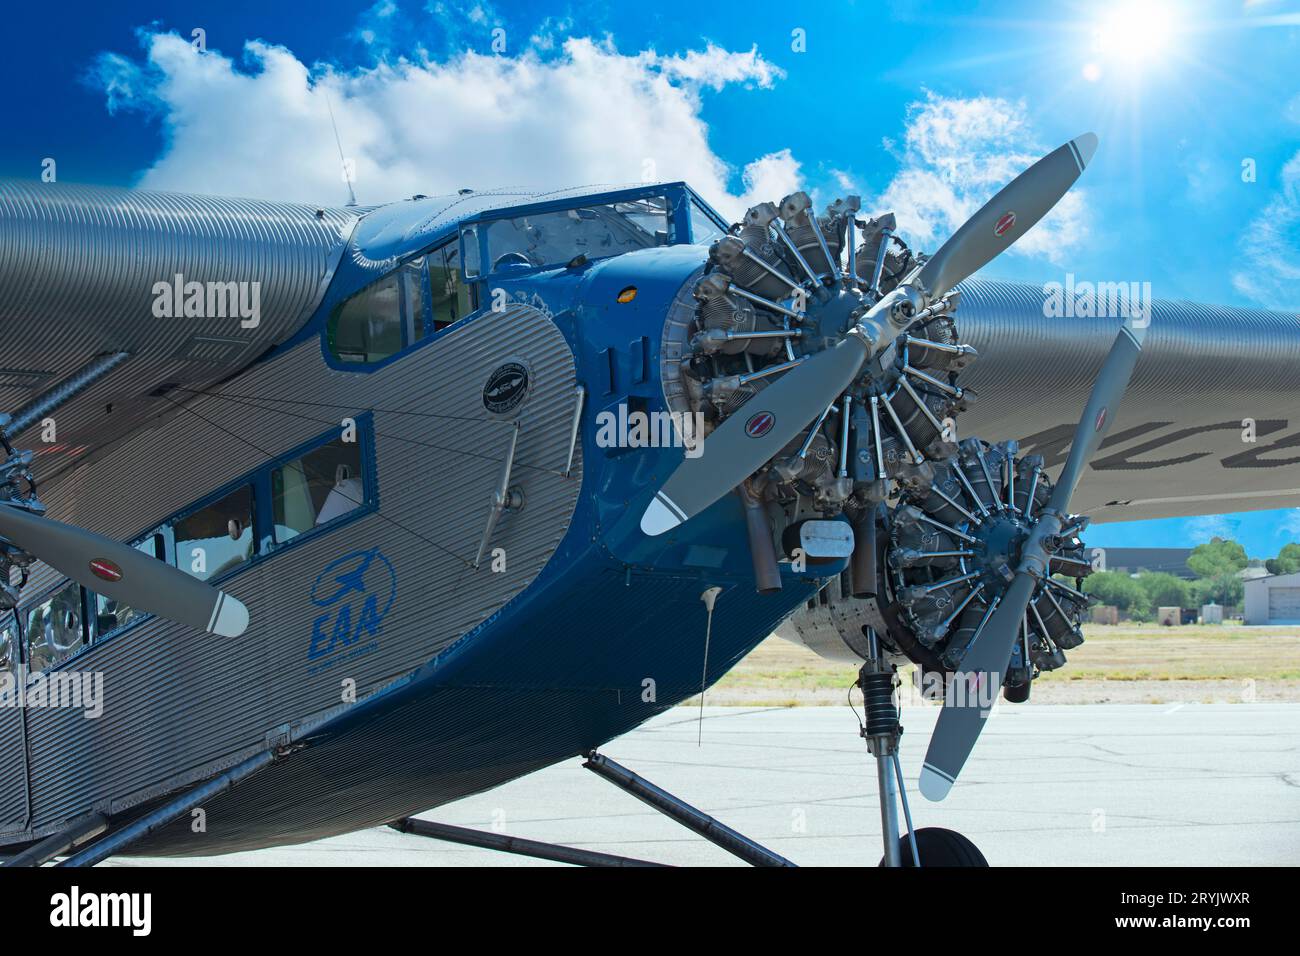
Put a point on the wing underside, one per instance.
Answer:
(1210, 422)
(120, 295)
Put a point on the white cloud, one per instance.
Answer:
(715, 67)
(1205, 527)
(955, 154)
(1271, 248)
(1290, 524)
(769, 179)
(553, 115)
(588, 114)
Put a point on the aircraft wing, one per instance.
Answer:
(1209, 423)
(84, 272)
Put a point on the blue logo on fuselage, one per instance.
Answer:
(355, 592)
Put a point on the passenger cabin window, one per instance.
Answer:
(8, 649)
(54, 628)
(217, 538)
(111, 614)
(320, 488)
(322, 485)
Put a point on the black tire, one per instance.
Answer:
(939, 847)
(1016, 693)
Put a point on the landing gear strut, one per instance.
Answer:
(936, 846)
(882, 732)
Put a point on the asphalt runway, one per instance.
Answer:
(1092, 785)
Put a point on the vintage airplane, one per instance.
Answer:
(383, 510)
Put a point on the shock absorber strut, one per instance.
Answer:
(882, 731)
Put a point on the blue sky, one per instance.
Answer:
(869, 96)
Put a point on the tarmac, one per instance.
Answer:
(1090, 785)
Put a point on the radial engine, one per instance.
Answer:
(932, 525)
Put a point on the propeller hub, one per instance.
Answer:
(1003, 539)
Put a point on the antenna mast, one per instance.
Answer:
(347, 174)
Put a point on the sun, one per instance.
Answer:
(1132, 37)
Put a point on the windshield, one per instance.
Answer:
(556, 238)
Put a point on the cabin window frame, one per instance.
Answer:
(249, 481)
(10, 623)
(267, 545)
(264, 546)
(26, 606)
(91, 598)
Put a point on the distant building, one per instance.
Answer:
(1132, 560)
(1273, 600)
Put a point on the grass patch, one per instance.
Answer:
(777, 672)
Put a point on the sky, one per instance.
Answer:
(923, 108)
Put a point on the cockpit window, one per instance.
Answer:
(703, 229)
(368, 326)
(555, 238)
(425, 295)
(451, 299)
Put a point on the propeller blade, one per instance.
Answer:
(1098, 415)
(754, 435)
(961, 721)
(120, 572)
(1007, 216)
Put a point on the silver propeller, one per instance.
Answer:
(984, 666)
(122, 573)
(747, 440)
(1007, 216)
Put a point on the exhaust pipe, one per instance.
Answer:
(767, 576)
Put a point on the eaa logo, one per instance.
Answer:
(354, 593)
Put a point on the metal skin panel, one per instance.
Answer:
(13, 768)
(549, 679)
(1177, 445)
(179, 705)
(78, 266)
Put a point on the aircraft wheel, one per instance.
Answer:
(1016, 693)
(939, 847)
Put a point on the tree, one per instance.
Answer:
(1217, 557)
(1165, 590)
(1287, 560)
(1225, 589)
(1117, 588)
